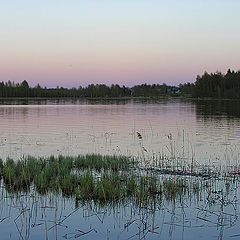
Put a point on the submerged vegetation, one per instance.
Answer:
(89, 177)
(60, 173)
(104, 185)
(99, 178)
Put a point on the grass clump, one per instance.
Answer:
(109, 188)
(16, 176)
(94, 177)
(173, 187)
(87, 186)
(99, 162)
(58, 173)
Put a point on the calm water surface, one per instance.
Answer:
(206, 131)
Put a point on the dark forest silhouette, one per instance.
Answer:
(213, 85)
(10, 89)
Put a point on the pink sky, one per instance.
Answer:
(72, 44)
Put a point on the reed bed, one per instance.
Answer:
(104, 179)
(113, 183)
(54, 172)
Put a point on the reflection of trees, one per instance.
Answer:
(13, 113)
(91, 101)
(210, 109)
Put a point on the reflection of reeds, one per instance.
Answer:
(118, 181)
(50, 173)
(97, 177)
(114, 180)
(98, 189)
(89, 177)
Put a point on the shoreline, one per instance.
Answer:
(118, 98)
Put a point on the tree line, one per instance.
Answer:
(10, 89)
(213, 85)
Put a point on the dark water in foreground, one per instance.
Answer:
(208, 214)
(205, 132)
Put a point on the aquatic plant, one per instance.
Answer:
(101, 178)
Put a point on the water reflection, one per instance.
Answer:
(189, 132)
(88, 101)
(217, 108)
(201, 131)
(212, 210)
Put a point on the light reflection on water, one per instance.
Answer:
(206, 131)
(208, 214)
(198, 130)
(201, 130)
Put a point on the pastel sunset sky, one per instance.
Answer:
(78, 42)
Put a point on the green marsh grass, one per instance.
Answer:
(99, 178)
(113, 183)
(89, 177)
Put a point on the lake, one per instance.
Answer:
(202, 132)
(205, 131)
